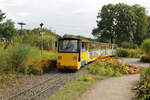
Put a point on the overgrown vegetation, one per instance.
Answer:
(146, 48)
(128, 45)
(24, 59)
(143, 86)
(112, 67)
(20, 54)
(132, 53)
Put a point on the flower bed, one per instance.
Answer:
(143, 86)
(112, 67)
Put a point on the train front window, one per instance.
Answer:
(68, 45)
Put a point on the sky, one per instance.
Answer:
(77, 17)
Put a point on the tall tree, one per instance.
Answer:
(121, 22)
(2, 15)
(105, 24)
(142, 24)
(148, 30)
(125, 23)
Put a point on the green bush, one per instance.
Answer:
(145, 58)
(109, 71)
(122, 52)
(145, 74)
(105, 67)
(48, 42)
(18, 57)
(125, 44)
(2, 60)
(129, 45)
(95, 69)
(133, 46)
(146, 47)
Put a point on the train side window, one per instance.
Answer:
(93, 46)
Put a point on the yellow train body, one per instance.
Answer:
(83, 54)
(67, 61)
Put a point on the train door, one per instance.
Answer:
(84, 53)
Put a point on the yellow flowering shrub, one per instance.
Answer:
(40, 66)
(135, 52)
(112, 67)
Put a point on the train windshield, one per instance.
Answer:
(68, 46)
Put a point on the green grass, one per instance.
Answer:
(48, 55)
(76, 88)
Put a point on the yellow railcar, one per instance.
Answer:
(74, 53)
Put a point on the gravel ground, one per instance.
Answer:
(55, 79)
(25, 82)
(118, 88)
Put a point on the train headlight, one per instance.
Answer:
(59, 57)
(74, 58)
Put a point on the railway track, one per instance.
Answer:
(46, 88)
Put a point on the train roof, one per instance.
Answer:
(68, 38)
(84, 40)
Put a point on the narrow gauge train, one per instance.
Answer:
(74, 53)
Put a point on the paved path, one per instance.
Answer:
(134, 61)
(112, 89)
(118, 88)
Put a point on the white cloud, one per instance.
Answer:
(65, 16)
(81, 12)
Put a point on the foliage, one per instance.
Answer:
(148, 31)
(112, 67)
(42, 65)
(121, 52)
(146, 47)
(48, 42)
(121, 22)
(142, 24)
(23, 50)
(96, 70)
(103, 67)
(48, 55)
(33, 38)
(144, 58)
(35, 70)
(125, 44)
(2, 15)
(7, 29)
(18, 57)
(128, 45)
(143, 86)
(2, 60)
(134, 53)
